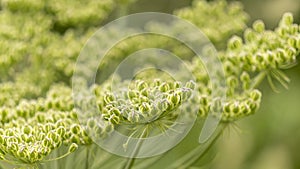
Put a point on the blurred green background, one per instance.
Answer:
(270, 139)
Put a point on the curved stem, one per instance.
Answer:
(259, 79)
(193, 156)
(131, 160)
(53, 159)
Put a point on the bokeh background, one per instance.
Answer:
(270, 139)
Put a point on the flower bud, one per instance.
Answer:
(259, 26)
(1, 140)
(204, 101)
(27, 129)
(109, 98)
(249, 35)
(174, 98)
(40, 117)
(115, 111)
(91, 123)
(202, 112)
(132, 94)
(141, 85)
(145, 92)
(48, 127)
(164, 87)
(191, 85)
(176, 85)
(162, 106)
(144, 108)
(235, 108)
(157, 82)
(114, 119)
(73, 147)
(75, 129)
(255, 95)
(61, 131)
(287, 19)
(235, 43)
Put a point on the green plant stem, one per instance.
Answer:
(259, 79)
(87, 156)
(193, 156)
(130, 161)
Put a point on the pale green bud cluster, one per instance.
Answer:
(33, 129)
(263, 50)
(142, 102)
(219, 20)
(64, 25)
(262, 53)
(239, 108)
(64, 14)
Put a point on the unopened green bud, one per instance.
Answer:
(27, 129)
(145, 92)
(157, 82)
(249, 35)
(109, 98)
(132, 94)
(115, 111)
(245, 77)
(1, 140)
(75, 129)
(176, 85)
(235, 108)
(202, 112)
(73, 147)
(114, 119)
(204, 101)
(144, 108)
(174, 98)
(191, 85)
(255, 95)
(245, 109)
(259, 26)
(40, 117)
(47, 142)
(141, 85)
(109, 128)
(287, 19)
(91, 123)
(164, 87)
(48, 127)
(75, 139)
(232, 81)
(162, 106)
(61, 131)
(235, 43)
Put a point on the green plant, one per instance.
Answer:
(40, 42)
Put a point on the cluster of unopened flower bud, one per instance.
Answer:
(229, 18)
(239, 108)
(246, 63)
(233, 108)
(33, 129)
(218, 20)
(64, 14)
(142, 102)
(264, 49)
(29, 144)
(53, 55)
